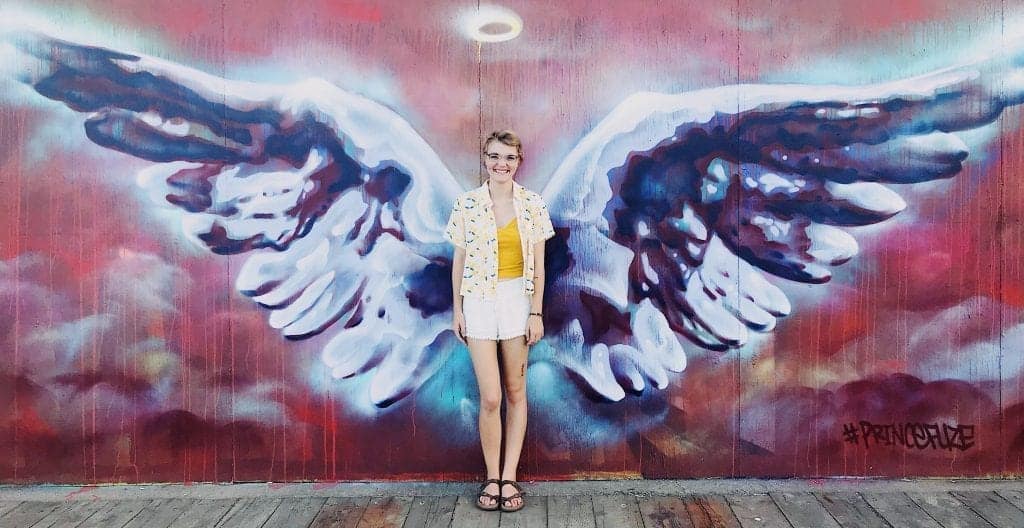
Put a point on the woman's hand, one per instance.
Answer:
(459, 325)
(534, 329)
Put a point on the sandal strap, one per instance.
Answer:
(506, 502)
(512, 483)
(486, 483)
(515, 485)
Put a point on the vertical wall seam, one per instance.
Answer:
(1000, 252)
(479, 103)
(739, 353)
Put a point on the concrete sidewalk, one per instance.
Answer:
(611, 504)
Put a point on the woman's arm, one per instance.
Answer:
(458, 319)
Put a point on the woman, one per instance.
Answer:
(499, 231)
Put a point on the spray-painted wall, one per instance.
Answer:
(789, 237)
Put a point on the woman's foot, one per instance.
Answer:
(511, 496)
(489, 495)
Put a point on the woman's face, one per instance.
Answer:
(501, 161)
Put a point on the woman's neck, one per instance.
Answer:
(500, 191)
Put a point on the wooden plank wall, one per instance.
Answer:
(127, 355)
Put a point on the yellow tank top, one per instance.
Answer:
(510, 251)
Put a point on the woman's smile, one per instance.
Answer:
(501, 161)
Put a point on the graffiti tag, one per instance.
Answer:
(910, 435)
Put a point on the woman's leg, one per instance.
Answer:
(513, 359)
(484, 354)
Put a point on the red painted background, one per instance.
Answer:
(127, 355)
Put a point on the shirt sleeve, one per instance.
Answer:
(455, 232)
(542, 228)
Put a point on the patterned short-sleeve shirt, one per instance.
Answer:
(472, 227)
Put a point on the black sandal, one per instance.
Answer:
(495, 498)
(517, 495)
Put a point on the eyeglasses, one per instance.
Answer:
(511, 158)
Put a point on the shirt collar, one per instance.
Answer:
(484, 194)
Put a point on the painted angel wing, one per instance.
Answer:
(339, 203)
(675, 207)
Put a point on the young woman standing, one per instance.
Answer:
(499, 230)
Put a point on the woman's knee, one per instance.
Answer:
(516, 394)
(490, 402)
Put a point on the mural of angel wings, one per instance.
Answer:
(671, 214)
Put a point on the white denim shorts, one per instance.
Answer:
(503, 317)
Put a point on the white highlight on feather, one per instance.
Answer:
(625, 367)
(591, 363)
(633, 361)
(604, 270)
(774, 230)
(601, 376)
(648, 270)
(718, 170)
(830, 245)
(655, 338)
(867, 195)
(291, 313)
(937, 143)
(693, 250)
(755, 286)
(711, 313)
(691, 224)
(243, 95)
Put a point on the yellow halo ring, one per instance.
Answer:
(474, 22)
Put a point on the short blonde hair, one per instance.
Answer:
(505, 137)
